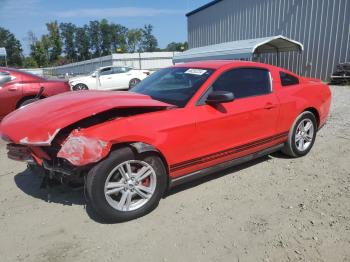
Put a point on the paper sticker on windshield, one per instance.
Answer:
(195, 71)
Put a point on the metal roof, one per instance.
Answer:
(203, 7)
(241, 49)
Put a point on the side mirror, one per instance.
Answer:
(217, 97)
(93, 74)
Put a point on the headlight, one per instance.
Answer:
(80, 150)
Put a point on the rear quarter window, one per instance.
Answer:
(5, 77)
(288, 79)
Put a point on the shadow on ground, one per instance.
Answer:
(30, 184)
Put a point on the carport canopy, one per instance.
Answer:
(240, 50)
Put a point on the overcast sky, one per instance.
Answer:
(167, 17)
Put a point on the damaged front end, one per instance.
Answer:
(52, 135)
(80, 150)
(66, 156)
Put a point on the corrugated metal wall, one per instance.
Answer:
(322, 26)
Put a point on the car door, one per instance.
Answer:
(106, 79)
(245, 125)
(10, 92)
(121, 77)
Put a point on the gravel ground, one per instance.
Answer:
(272, 209)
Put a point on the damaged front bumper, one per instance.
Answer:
(19, 153)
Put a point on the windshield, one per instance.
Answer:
(175, 85)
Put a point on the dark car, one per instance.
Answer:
(341, 76)
(18, 88)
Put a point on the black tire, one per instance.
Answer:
(290, 147)
(27, 102)
(133, 82)
(98, 175)
(79, 87)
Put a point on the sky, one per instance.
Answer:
(167, 17)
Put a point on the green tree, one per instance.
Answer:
(13, 47)
(54, 40)
(149, 42)
(174, 46)
(39, 52)
(106, 40)
(82, 43)
(29, 62)
(68, 31)
(118, 37)
(95, 38)
(134, 38)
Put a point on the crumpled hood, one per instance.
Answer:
(39, 123)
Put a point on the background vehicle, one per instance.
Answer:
(341, 76)
(18, 88)
(109, 78)
(179, 124)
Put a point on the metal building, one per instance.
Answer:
(322, 26)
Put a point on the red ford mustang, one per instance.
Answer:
(18, 88)
(180, 123)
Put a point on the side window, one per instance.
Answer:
(106, 71)
(244, 82)
(288, 80)
(117, 70)
(5, 77)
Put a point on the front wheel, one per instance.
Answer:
(28, 101)
(133, 82)
(79, 87)
(124, 186)
(301, 136)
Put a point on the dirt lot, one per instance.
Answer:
(274, 209)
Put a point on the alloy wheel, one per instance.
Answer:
(304, 134)
(79, 87)
(130, 185)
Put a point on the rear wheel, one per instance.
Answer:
(27, 102)
(302, 135)
(80, 86)
(125, 186)
(133, 82)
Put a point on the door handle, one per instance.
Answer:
(269, 106)
(13, 88)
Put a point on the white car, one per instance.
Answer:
(109, 78)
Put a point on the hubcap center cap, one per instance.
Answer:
(130, 184)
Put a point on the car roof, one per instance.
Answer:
(19, 71)
(9, 69)
(216, 64)
(114, 67)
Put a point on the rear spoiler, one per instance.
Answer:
(307, 79)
